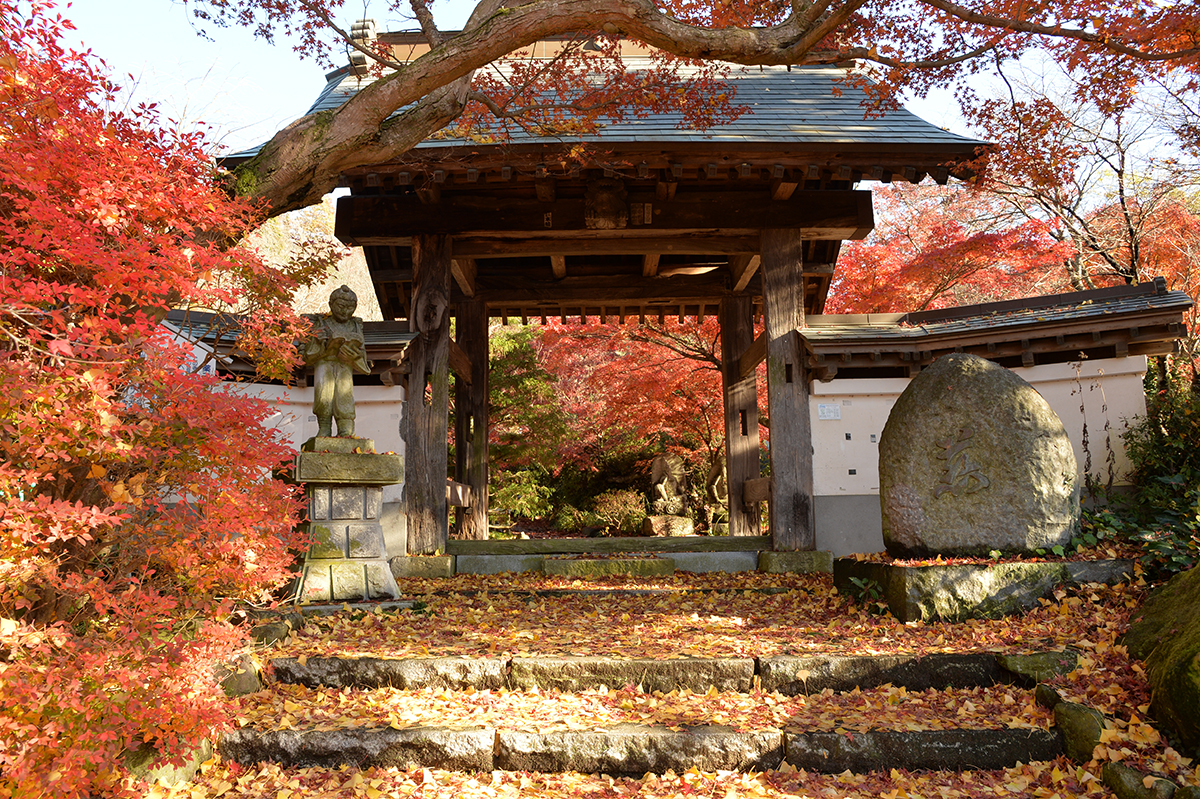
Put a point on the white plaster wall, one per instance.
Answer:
(377, 411)
(846, 457)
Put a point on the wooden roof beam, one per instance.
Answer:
(839, 215)
(558, 265)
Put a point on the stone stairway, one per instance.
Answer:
(290, 724)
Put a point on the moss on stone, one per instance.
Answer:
(1167, 638)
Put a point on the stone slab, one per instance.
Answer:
(408, 674)
(497, 564)
(365, 540)
(422, 566)
(795, 562)
(880, 750)
(348, 444)
(328, 539)
(380, 582)
(583, 673)
(347, 580)
(315, 585)
(602, 567)
(671, 526)
(793, 675)
(337, 468)
(467, 749)
(956, 592)
(705, 562)
(632, 749)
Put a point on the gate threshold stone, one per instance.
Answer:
(468, 749)
(582, 673)
(633, 749)
(953, 750)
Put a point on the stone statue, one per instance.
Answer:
(670, 478)
(337, 352)
(716, 494)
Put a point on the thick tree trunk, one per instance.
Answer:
(793, 520)
(427, 410)
(471, 419)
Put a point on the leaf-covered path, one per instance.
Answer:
(698, 617)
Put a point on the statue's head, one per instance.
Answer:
(342, 303)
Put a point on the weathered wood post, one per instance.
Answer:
(427, 411)
(471, 418)
(741, 412)
(793, 520)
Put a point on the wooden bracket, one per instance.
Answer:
(460, 362)
(743, 268)
(755, 354)
(756, 490)
(458, 495)
(463, 270)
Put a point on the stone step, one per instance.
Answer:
(633, 750)
(789, 675)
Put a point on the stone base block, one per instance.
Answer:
(795, 562)
(422, 566)
(668, 526)
(968, 591)
(349, 468)
(342, 580)
(603, 567)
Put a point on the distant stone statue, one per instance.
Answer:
(337, 352)
(670, 476)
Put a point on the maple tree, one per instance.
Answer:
(136, 503)
(939, 246)
(913, 46)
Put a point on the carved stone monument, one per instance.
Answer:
(343, 476)
(972, 459)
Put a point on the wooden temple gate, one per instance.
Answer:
(744, 221)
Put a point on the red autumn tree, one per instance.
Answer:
(136, 502)
(938, 246)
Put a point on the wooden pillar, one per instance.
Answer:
(793, 521)
(741, 412)
(471, 419)
(427, 410)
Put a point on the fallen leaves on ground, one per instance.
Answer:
(809, 618)
(296, 707)
(1058, 779)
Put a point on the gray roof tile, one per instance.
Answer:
(796, 106)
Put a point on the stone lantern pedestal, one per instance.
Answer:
(344, 480)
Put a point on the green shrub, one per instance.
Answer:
(520, 494)
(1162, 514)
(620, 510)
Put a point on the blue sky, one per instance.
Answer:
(242, 87)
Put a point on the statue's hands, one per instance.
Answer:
(350, 351)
